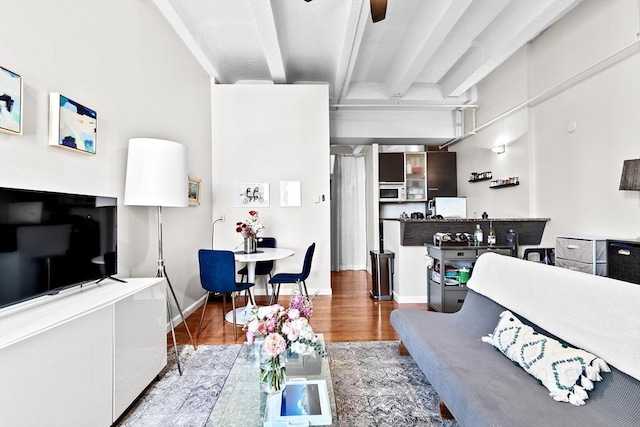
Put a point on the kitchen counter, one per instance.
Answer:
(417, 232)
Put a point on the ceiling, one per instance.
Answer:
(424, 54)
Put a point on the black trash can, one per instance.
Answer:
(382, 275)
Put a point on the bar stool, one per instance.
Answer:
(545, 255)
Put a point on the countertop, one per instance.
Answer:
(417, 232)
(465, 220)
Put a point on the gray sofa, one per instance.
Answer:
(482, 387)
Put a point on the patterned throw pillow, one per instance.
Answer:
(565, 371)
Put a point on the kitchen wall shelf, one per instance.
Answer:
(481, 176)
(503, 185)
(480, 179)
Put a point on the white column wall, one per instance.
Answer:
(269, 134)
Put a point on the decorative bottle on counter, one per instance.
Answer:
(477, 235)
(491, 238)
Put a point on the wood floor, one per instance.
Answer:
(350, 314)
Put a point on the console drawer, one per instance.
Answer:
(585, 267)
(500, 251)
(453, 300)
(580, 250)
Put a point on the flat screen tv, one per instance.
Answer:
(50, 241)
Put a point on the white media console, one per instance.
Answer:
(81, 357)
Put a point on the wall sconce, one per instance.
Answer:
(630, 179)
(498, 149)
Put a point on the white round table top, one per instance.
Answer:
(264, 254)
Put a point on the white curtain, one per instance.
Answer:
(348, 214)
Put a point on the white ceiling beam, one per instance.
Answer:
(422, 43)
(477, 18)
(170, 14)
(356, 24)
(266, 27)
(492, 49)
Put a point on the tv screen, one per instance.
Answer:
(50, 241)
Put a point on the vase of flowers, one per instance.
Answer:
(250, 245)
(249, 230)
(282, 329)
(273, 374)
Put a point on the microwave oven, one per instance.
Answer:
(392, 193)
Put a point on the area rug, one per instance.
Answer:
(373, 385)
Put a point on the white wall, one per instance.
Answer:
(571, 178)
(273, 133)
(123, 60)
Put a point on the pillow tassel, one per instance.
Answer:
(575, 400)
(487, 339)
(559, 397)
(592, 373)
(586, 383)
(579, 391)
(600, 365)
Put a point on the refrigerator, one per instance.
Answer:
(450, 207)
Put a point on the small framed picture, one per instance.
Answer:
(252, 194)
(10, 102)
(194, 191)
(72, 125)
(290, 193)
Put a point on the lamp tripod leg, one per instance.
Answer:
(162, 270)
(173, 335)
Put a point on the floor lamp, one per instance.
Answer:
(157, 176)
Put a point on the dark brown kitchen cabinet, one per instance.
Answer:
(441, 174)
(391, 167)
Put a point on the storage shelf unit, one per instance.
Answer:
(582, 253)
(446, 298)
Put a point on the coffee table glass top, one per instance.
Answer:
(242, 403)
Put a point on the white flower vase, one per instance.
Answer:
(273, 374)
(250, 245)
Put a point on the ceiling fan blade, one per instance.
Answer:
(378, 9)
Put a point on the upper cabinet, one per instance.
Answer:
(425, 174)
(391, 167)
(441, 174)
(415, 176)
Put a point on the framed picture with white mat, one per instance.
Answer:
(302, 402)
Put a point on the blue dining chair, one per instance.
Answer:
(218, 275)
(297, 278)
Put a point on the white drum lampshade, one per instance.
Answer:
(156, 173)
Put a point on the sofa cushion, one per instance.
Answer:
(565, 371)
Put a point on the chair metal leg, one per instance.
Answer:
(204, 308)
(275, 292)
(233, 305)
(224, 307)
(302, 283)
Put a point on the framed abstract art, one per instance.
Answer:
(72, 125)
(10, 102)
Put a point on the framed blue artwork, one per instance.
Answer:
(72, 125)
(10, 102)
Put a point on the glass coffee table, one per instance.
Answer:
(242, 403)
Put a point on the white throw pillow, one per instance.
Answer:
(565, 371)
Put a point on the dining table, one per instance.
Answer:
(250, 260)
